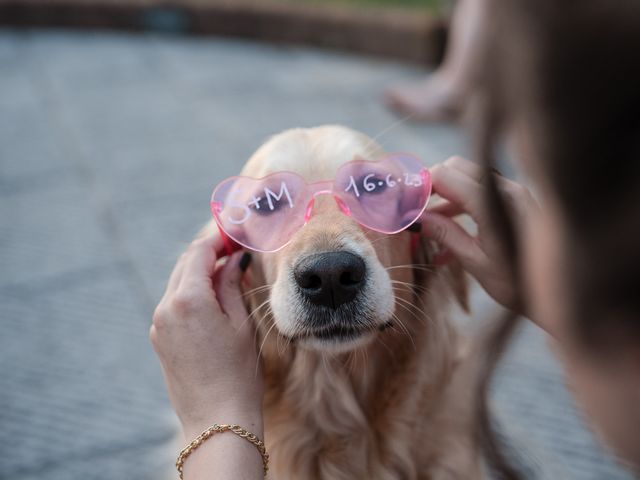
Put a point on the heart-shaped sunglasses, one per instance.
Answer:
(263, 214)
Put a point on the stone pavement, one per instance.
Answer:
(109, 147)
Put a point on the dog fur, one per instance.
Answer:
(394, 405)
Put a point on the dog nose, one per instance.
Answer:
(330, 278)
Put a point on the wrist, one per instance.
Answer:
(249, 418)
(236, 449)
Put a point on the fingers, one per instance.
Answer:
(465, 166)
(454, 238)
(174, 281)
(446, 208)
(228, 289)
(460, 182)
(469, 168)
(518, 197)
(460, 189)
(200, 261)
(176, 274)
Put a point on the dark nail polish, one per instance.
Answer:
(245, 260)
(415, 227)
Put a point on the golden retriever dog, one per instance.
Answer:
(379, 393)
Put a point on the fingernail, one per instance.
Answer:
(415, 227)
(245, 260)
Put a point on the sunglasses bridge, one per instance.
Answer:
(324, 188)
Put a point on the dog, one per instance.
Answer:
(383, 393)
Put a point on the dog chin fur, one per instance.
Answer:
(334, 347)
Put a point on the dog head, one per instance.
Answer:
(336, 284)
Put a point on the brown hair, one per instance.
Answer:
(570, 70)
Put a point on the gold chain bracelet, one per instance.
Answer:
(215, 428)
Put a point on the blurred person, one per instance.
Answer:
(574, 262)
(560, 87)
(441, 95)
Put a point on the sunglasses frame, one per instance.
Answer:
(313, 190)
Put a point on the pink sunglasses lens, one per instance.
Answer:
(260, 214)
(387, 195)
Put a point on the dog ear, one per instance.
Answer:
(423, 254)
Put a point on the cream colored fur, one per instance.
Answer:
(392, 406)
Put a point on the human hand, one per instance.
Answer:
(459, 182)
(205, 342)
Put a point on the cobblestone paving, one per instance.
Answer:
(109, 146)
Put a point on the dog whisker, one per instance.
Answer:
(352, 361)
(413, 266)
(325, 366)
(416, 291)
(421, 316)
(419, 305)
(405, 330)
(256, 290)
(278, 350)
(285, 341)
(418, 294)
(411, 287)
(391, 352)
(409, 284)
(376, 240)
(398, 322)
(359, 356)
(402, 287)
(365, 361)
(267, 314)
(251, 314)
(415, 312)
(262, 346)
(255, 310)
(288, 340)
(387, 129)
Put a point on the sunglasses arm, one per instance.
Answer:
(229, 245)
